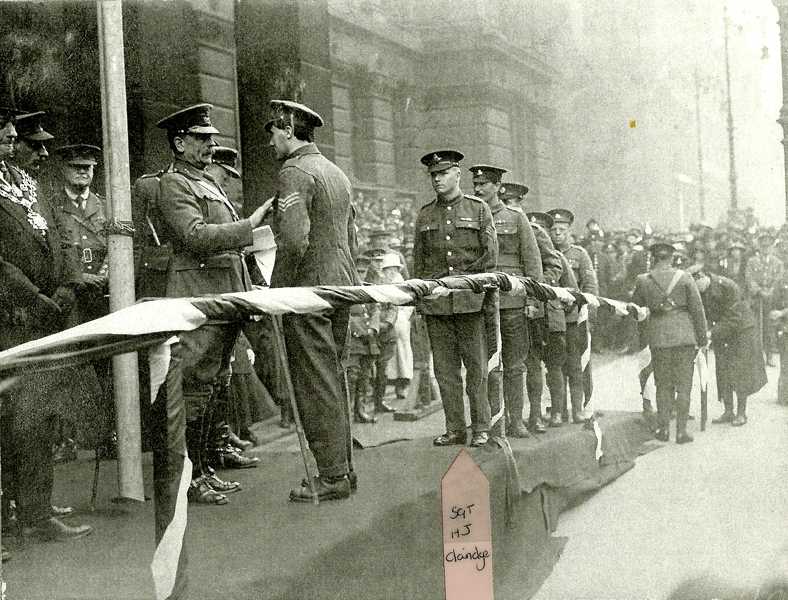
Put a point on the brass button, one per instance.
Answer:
(448, 208)
(448, 237)
(202, 265)
(451, 268)
(448, 253)
(448, 222)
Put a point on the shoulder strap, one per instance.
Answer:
(671, 285)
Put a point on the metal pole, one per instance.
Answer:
(701, 190)
(731, 151)
(121, 262)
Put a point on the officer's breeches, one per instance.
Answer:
(458, 340)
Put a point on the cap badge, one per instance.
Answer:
(436, 158)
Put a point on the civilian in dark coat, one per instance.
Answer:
(737, 347)
(38, 277)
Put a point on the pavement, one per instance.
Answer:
(714, 510)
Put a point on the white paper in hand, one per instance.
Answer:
(264, 250)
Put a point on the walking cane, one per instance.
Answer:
(282, 350)
(94, 489)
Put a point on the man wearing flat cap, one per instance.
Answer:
(674, 331)
(518, 255)
(207, 237)
(38, 277)
(455, 235)
(576, 332)
(315, 231)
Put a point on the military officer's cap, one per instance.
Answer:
(440, 160)
(487, 173)
(193, 119)
(540, 218)
(662, 249)
(28, 127)
(510, 190)
(561, 215)
(283, 110)
(363, 260)
(736, 244)
(225, 157)
(611, 247)
(79, 154)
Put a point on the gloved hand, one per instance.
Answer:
(64, 298)
(94, 282)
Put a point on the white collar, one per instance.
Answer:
(77, 198)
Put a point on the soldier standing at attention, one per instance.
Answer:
(548, 330)
(455, 235)
(315, 234)
(576, 334)
(763, 274)
(518, 255)
(674, 331)
(84, 218)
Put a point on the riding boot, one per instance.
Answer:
(379, 391)
(682, 416)
(357, 387)
(727, 415)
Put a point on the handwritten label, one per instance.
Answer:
(467, 534)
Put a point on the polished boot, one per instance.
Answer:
(52, 529)
(357, 387)
(326, 488)
(450, 439)
(479, 439)
(741, 412)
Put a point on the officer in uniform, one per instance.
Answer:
(85, 219)
(548, 330)
(576, 333)
(31, 151)
(39, 275)
(518, 255)
(151, 255)
(207, 238)
(763, 274)
(315, 234)
(675, 329)
(224, 170)
(455, 235)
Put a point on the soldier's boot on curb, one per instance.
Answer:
(516, 427)
(741, 412)
(579, 415)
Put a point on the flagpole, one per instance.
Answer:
(121, 262)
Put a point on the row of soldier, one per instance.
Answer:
(191, 240)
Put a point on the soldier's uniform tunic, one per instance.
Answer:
(547, 323)
(84, 220)
(518, 254)
(207, 239)
(151, 256)
(456, 236)
(313, 234)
